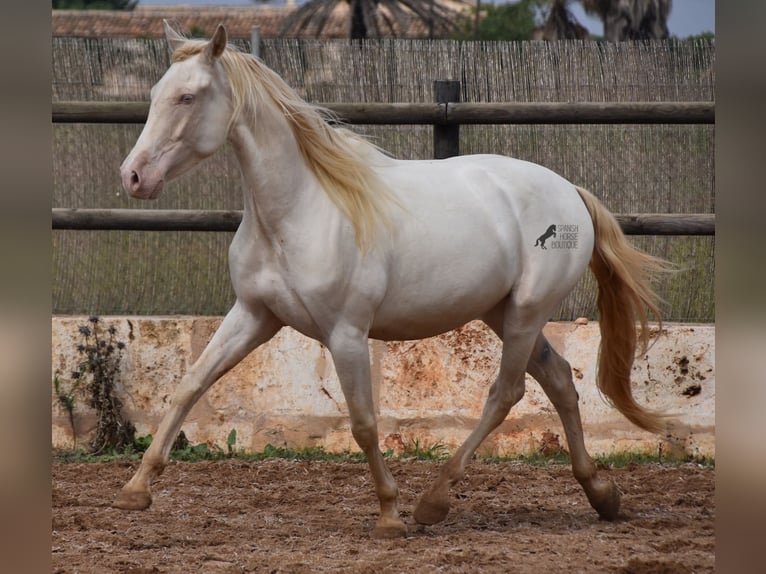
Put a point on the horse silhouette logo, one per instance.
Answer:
(550, 232)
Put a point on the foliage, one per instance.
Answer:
(66, 399)
(306, 454)
(95, 379)
(623, 459)
(635, 20)
(561, 24)
(375, 18)
(438, 452)
(414, 450)
(231, 440)
(509, 22)
(707, 37)
(204, 452)
(94, 4)
(606, 461)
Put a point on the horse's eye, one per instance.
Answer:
(186, 99)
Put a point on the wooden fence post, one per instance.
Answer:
(255, 41)
(446, 137)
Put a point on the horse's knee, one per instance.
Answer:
(365, 432)
(504, 394)
(187, 393)
(515, 393)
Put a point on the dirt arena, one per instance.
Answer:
(279, 516)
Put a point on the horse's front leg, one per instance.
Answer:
(240, 332)
(350, 354)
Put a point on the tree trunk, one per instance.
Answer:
(632, 19)
(358, 25)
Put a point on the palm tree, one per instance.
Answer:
(560, 24)
(631, 19)
(374, 18)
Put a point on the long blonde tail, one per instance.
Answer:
(624, 275)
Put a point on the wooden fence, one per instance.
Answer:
(229, 220)
(448, 113)
(444, 114)
(631, 122)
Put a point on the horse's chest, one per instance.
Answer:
(269, 285)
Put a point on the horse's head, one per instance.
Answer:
(189, 116)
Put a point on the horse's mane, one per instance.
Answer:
(340, 159)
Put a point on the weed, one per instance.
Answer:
(183, 450)
(100, 355)
(198, 452)
(66, 400)
(231, 441)
(606, 461)
(414, 450)
(311, 453)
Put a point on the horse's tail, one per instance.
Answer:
(624, 275)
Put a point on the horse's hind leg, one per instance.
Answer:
(508, 389)
(555, 377)
(239, 333)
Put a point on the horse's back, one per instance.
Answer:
(465, 236)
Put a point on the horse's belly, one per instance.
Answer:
(432, 300)
(421, 324)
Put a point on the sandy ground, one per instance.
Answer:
(279, 516)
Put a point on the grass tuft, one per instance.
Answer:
(186, 452)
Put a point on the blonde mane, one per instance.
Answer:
(340, 159)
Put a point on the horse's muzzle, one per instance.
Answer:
(140, 186)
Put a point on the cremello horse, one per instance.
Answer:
(343, 243)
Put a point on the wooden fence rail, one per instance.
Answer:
(445, 115)
(223, 220)
(449, 113)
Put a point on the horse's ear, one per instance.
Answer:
(217, 44)
(174, 38)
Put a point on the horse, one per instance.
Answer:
(344, 243)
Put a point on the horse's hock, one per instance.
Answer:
(432, 391)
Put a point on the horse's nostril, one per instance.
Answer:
(135, 180)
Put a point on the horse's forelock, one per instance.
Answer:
(187, 50)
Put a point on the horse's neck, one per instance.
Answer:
(278, 183)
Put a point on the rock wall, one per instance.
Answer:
(286, 393)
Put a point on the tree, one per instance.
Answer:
(623, 19)
(507, 22)
(631, 19)
(375, 18)
(560, 23)
(94, 4)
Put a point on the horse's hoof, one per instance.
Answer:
(605, 499)
(389, 529)
(431, 510)
(132, 500)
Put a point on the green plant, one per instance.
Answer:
(231, 440)
(66, 400)
(414, 450)
(198, 452)
(509, 22)
(100, 355)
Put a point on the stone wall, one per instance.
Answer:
(286, 393)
